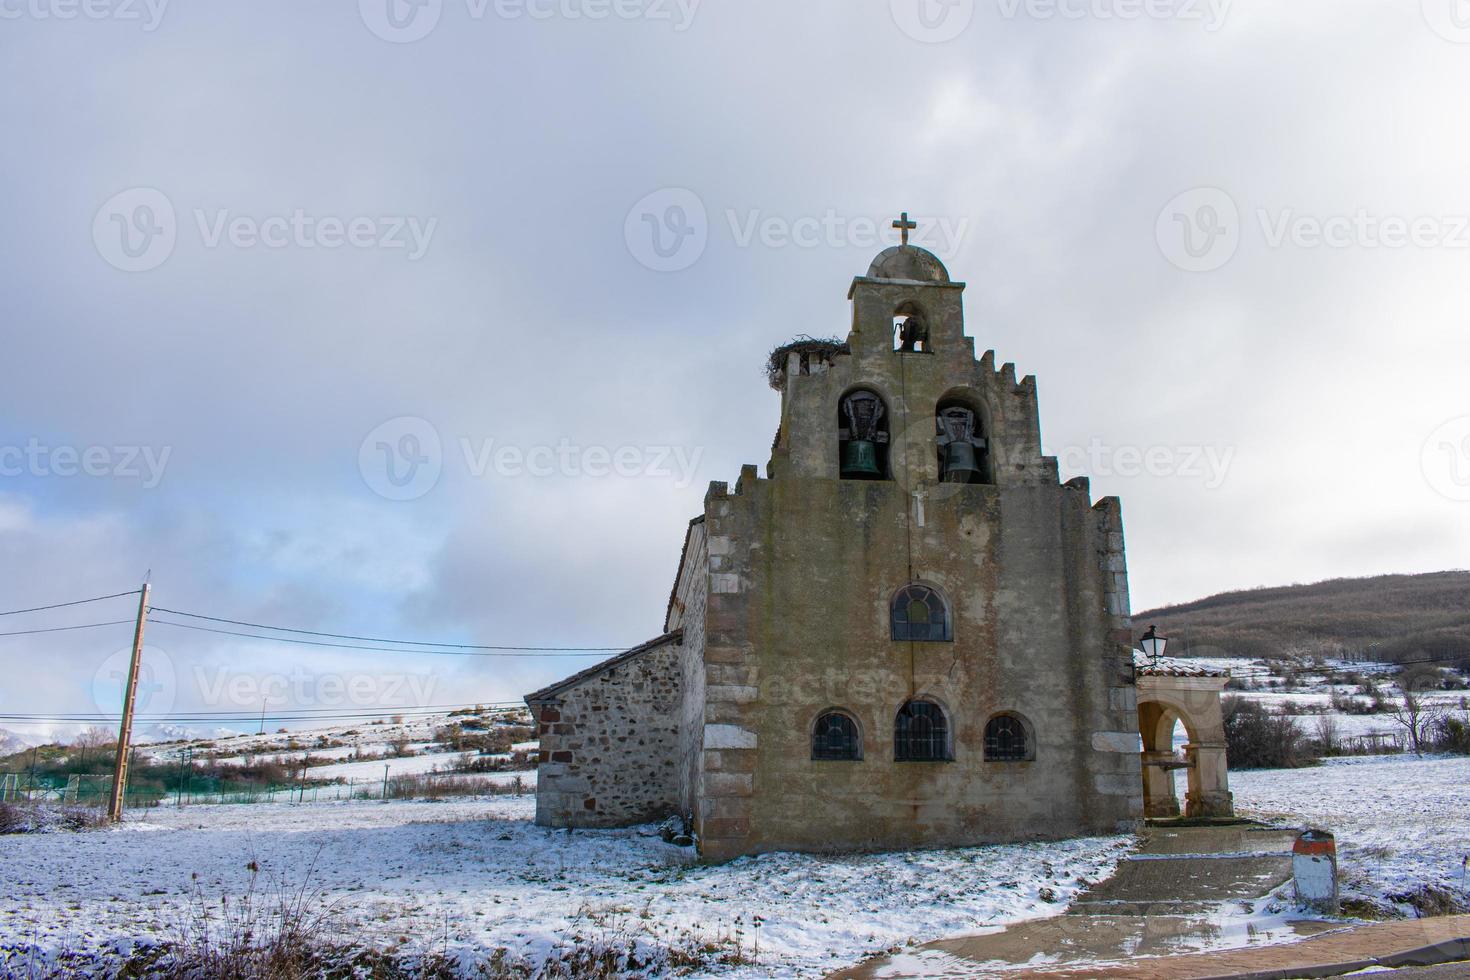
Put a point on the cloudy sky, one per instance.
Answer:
(435, 319)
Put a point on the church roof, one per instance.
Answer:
(679, 572)
(909, 263)
(549, 693)
(1145, 666)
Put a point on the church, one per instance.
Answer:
(907, 633)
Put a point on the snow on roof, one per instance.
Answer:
(1173, 667)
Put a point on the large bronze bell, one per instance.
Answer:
(960, 464)
(959, 446)
(860, 460)
(862, 413)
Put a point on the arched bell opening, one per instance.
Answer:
(962, 441)
(911, 330)
(862, 435)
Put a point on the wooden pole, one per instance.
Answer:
(125, 730)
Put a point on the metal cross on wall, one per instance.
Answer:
(904, 226)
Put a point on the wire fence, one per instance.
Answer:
(94, 790)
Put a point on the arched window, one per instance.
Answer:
(919, 613)
(862, 434)
(835, 737)
(964, 452)
(1006, 740)
(921, 733)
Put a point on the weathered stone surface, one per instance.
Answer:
(729, 713)
(728, 737)
(728, 784)
(1117, 742)
(737, 695)
(1116, 784)
(1123, 698)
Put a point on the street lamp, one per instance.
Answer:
(1153, 645)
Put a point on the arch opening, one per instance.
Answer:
(836, 737)
(961, 441)
(862, 435)
(1169, 747)
(921, 733)
(919, 612)
(1009, 738)
(911, 330)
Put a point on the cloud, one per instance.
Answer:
(527, 322)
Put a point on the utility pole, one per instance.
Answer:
(125, 730)
(186, 759)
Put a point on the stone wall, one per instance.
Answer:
(687, 612)
(802, 569)
(609, 754)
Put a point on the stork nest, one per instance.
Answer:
(824, 347)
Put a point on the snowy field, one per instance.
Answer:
(1401, 821)
(473, 876)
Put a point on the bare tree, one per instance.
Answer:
(1327, 734)
(1416, 714)
(90, 741)
(93, 738)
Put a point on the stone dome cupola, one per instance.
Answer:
(908, 263)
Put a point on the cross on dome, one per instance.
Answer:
(904, 226)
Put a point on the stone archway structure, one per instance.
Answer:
(1171, 691)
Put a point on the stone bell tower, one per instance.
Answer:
(909, 632)
(907, 347)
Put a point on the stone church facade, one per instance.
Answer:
(907, 633)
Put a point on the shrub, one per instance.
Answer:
(37, 818)
(1259, 739)
(1451, 734)
(427, 786)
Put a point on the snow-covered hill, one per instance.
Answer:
(11, 742)
(485, 739)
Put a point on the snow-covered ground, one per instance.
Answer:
(1401, 821)
(475, 875)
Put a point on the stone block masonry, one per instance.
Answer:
(610, 741)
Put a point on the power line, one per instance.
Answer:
(255, 713)
(250, 717)
(62, 629)
(75, 602)
(375, 639)
(506, 651)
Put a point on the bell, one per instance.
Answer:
(860, 460)
(960, 464)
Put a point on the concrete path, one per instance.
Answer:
(1166, 899)
(1409, 942)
